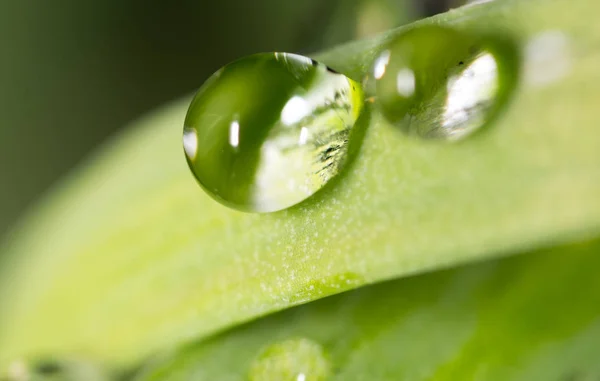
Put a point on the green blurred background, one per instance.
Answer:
(73, 72)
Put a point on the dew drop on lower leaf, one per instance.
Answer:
(269, 130)
(436, 82)
(49, 369)
(297, 359)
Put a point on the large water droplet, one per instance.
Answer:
(291, 360)
(269, 130)
(436, 82)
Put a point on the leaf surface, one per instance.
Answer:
(128, 256)
(530, 317)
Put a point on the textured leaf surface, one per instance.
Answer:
(129, 256)
(531, 317)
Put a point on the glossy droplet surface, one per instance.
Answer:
(297, 359)
(269, 130)
(436, 82)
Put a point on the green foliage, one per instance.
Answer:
(530, 317)
(129, 257)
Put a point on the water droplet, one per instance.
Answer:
(291, 360)
(269, 130)
(547, 58)
(53, 370)
(436, 82)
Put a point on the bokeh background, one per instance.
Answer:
(74, 72)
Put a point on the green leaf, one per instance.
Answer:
(530, 317)
(128, 256)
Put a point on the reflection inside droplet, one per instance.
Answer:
(470, 94)
(234, 133)
(303, 136)
(190, 143)
(295, 110)
(405, 82)
(380, 64)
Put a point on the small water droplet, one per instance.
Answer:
(547, 58)
(269, 130)
(53, 370)
(297, 359)
(436, 82)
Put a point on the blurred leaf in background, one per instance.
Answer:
(74, 72)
